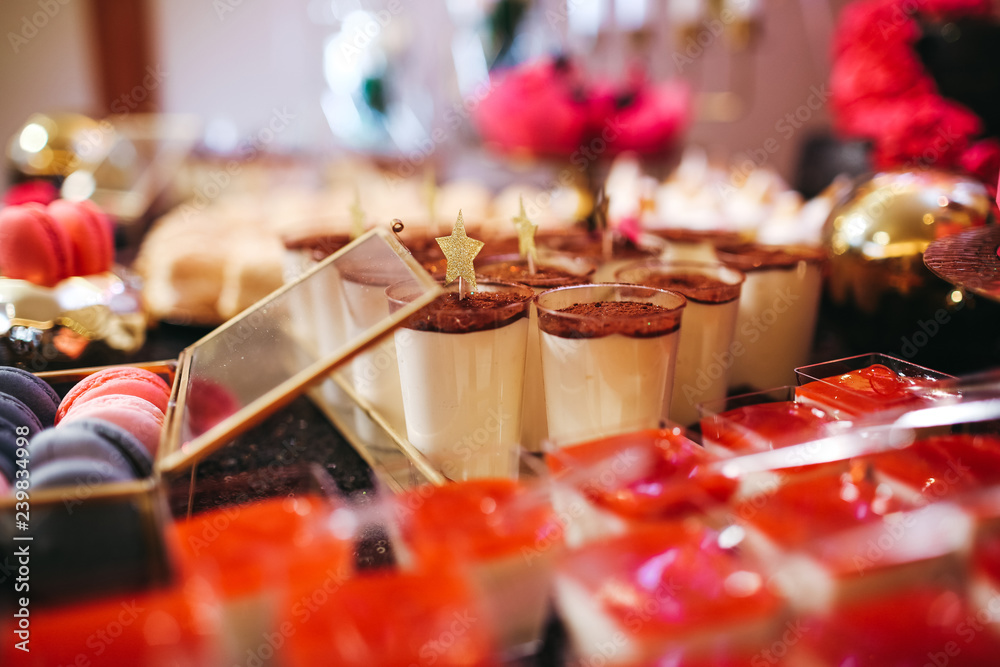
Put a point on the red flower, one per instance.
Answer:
(882, 92)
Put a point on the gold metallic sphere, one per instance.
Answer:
(877, 234)
(56, 145)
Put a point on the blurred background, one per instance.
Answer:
(235, 63)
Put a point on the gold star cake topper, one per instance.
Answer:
(357, 216)
(459, 251)
(526, 237)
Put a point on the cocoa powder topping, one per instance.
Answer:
(604, 318)
(480, 311)
(694, 286)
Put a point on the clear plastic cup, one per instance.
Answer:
(608, 357)
(704, 352)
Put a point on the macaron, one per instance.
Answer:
(136, 453)
(33, 246)
(136, 415)
(31, 390)
(18, 415)
(90, 234)
(123, 380)
(77, 442)
(76, 471)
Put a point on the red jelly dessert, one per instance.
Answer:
(175, 626)
(392, 619)
(876, 387)
(765, 426)
(802, 511)
(943, 466)
(664, 589)
(919, 626)
(504, 535)
(648, 475)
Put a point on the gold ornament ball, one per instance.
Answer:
(55, 145)
(876, 236)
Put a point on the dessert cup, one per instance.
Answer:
(610, 486)
(712, 291)
(868, 383)
(461, 366)
(608, 356)
(669, 592)
(504, 536)
(778, 308)
(386, 618)
(374, 373)
(252, 554)
(555, 270)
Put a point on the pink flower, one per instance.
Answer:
(653, 121)
(982, 160)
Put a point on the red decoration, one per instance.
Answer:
(547, 108)
(882, 92)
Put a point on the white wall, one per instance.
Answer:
(240, 66)
(52, 71)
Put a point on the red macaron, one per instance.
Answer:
(90, 234)
(33, 246)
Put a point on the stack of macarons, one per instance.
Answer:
(47, 244)
(106, 429)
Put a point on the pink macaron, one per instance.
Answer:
(33, 246)
(90, 233)
(122, 380)
(136, 415)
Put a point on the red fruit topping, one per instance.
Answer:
(945, 465)
(876, 387)
(673, 579)
(804, 510)
(477, 519)
(764, 426)
(391, 620)
(653, 474)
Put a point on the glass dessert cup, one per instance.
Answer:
(704, 352)
(763, 421)
(608, 357)
(251, 555)
(778, 308)
(554, 270)
(373, 373)
(610, 486)
(671, 591)
(503, 536)
(867, 383)
(461, 365)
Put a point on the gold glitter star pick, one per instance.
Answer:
(526, 237)
(357, 216)
(459, 251)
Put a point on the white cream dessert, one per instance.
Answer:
(608, 356)
(553, 270)
(461, 369)
(712, 292)
(777, 316)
